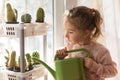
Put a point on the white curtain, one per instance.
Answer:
(110, 10)
(111, 15)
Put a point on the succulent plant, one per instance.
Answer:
(12, 59)
(40, 15)
(16, 14)
(18, 65)
(26, 18)
(36, 55)
(11, 14)
(29, 60)
(7, 57)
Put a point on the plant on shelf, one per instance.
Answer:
(13, 65)
(11, 60)
(26, 18)
(36, 55)
(11, 14)
(7, 57)
(40, 15)
(29, 61)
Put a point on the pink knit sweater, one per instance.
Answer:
(102, 67)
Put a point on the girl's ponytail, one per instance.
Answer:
(97, 23)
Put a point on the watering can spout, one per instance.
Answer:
(53, 73)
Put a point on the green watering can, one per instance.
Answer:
(68, 69)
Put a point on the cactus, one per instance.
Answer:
(11, 14)
(16, 14)
(12, 59)
(37, 56)
(18, 62)
(28, 57)
(40, 15)
(18, 65)
(26, 18)
(7, 57)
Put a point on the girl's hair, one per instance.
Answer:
(85, 18)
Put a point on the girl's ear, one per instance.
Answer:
(87, 34)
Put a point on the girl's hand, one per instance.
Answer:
(88, 62)
(62, 53)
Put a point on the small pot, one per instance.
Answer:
(31, 67)
(10, 68)
(17, 69)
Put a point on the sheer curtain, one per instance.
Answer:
(111, 15)
(110, 10)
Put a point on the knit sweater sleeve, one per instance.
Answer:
(103, 65)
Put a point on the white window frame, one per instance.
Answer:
(59, 8)
(58, 23)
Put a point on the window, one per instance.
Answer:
(31, 43)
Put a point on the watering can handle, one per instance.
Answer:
(88, 54)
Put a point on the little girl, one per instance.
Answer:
(82, 26)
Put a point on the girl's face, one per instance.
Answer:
(73, 35)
